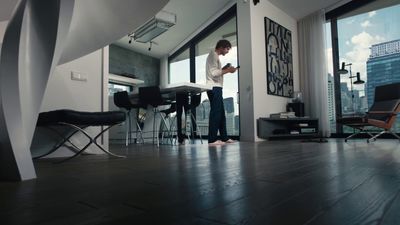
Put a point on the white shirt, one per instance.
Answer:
(213, 70)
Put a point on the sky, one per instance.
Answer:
(358, 33)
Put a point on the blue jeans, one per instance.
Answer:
(217, 120)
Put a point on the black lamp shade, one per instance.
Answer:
(343, 70)
(358, 81)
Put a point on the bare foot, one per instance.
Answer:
(230, 141)
(217, 142)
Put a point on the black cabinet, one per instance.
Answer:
(270, 128)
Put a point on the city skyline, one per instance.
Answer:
(357, 34)
(370, 42)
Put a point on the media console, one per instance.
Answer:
(298, 127)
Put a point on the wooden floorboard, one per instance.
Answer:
(268, 183)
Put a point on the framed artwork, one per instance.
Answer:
(278, 43)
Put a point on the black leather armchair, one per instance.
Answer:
(382, 113)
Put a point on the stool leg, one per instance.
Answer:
(128, 128)
(171, 129)
(154, 126)
(187, 127)
(171, 125)
(139, 130)
(162, 134)
(165, 123)
(198, 131)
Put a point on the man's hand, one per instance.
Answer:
(230, 69)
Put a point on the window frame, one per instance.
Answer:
(191, 45)
(332, 17)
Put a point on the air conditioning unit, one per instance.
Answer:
(154, 27)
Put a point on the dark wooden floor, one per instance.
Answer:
(268, 183)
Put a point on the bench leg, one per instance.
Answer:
(91, 140)
(94, 140)
(64, 139)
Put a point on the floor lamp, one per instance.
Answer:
(343, 70)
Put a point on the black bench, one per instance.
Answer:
(78, 121)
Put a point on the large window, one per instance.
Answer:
(202, 49)
(368, 41)
(179, 68)
(189, 65)
(114, 88)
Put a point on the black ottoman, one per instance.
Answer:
(79, 121)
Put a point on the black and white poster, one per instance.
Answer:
(278, 41)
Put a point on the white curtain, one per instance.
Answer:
(313, 69)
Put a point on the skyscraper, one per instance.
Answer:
(331, 103)
(203, 111)
(230, 116)
(383, 67)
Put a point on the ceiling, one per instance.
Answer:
(301, 8)
(192, 14)
(6, 9)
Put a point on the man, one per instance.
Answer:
(215, 78)
(182, 103)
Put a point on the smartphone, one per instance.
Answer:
(226, 66)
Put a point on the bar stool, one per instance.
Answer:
(170, 118)
(152, 96)
(121, 99)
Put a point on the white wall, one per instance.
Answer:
(164, 71)
(254, 91)
(3, 25)
(64, 93)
